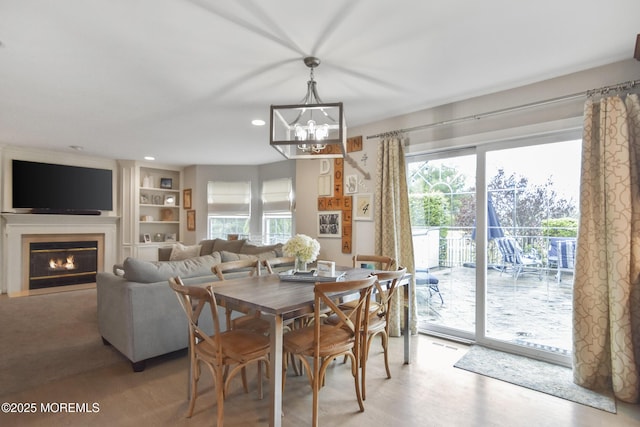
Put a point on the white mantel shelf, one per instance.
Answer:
(39, 219)
(14, 226)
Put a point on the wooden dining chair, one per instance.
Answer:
(224, 353)
(239, 268)
(323, 342)
(380, 262)
(277, 265)
(281, 264)
(386, 286)
(250, 320)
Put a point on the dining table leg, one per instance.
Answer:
(275, 372)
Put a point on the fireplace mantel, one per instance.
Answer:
(14, 226)
(53, 220)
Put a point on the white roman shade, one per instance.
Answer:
(229, 198)
(277, 196)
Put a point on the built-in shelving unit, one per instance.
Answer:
(152, 205)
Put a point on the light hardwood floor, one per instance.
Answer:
(429, 392)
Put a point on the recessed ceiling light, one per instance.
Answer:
(258, 122)
(149, 158)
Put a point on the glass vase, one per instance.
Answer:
(300, 265)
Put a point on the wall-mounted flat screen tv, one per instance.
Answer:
(46, 186)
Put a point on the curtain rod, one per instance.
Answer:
(600, 91)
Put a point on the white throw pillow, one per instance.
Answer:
(180, 252)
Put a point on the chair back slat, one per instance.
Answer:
(273, 265)
(386, 286)
(382, 262)
(193, 300)
(244, 267)
(327, 294)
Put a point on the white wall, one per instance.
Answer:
(307, 174)
(539, 120)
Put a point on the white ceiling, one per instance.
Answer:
(182, 79)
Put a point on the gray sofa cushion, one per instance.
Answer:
(136, 270)
(250, 249)
(232, 256)
(217, 245)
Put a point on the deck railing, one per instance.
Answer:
(447, 247)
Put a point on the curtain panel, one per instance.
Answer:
(393, 235)
(606, 322)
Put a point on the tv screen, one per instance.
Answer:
(61, 187)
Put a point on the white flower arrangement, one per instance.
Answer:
(302, 247)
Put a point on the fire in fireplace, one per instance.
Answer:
(62, 263)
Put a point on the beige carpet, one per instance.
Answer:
(47, 337)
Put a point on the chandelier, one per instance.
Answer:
(311, 129)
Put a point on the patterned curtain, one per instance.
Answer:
(606, 306)
(393, 227)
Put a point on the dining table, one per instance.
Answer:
(281, 300)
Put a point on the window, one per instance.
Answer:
(277, 220)
(229, 208)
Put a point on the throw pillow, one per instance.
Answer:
(228, 245)
(180, 252)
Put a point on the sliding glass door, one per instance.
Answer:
(442, 200)
(534, 190)
(494, 229)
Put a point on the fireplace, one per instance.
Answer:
(19, 230)
(55, 260)
(62, 263)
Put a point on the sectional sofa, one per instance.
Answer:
(139, 314)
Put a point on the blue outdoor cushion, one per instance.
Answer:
(425, 278)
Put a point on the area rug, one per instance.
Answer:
(49, 337)
(533, 374)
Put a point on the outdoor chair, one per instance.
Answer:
(566, 257)
(224, 353)
(424, 277)
(317, 345)
(242, 268)
(552, 253)
(514, 258)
